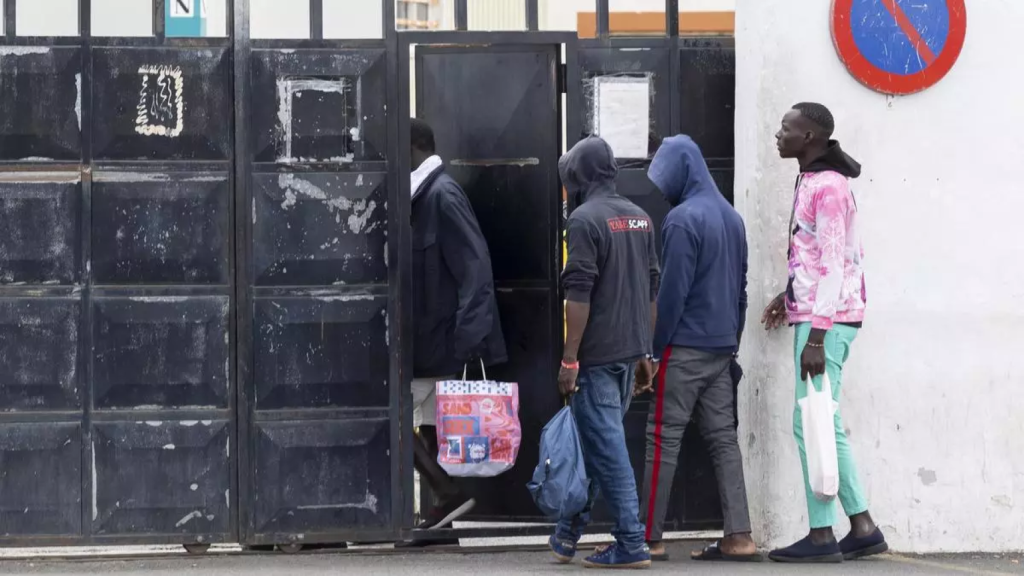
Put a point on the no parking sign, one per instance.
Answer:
(899, 46)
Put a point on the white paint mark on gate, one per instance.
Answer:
(136, 177)
(360, 211)
(41, 177)
(369, 503)
(95, 489)
(161, 102)
(78, 99)
(287, 90)
(23, 50)
(188, 518)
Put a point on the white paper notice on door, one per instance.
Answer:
(622, 109)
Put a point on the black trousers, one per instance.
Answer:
(424, 458)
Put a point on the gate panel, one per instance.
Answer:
(319, 105)
(322, 476)
(42, 479)
(162, 104)
(40, 230)
(707, 95)
(39, 340)
(116, 387)
(318, 402)
(41, 91)
(694, 97)
(162, 393)
(161, 228)
(326, 351)
(43, 390)
(161, 352)
(495, 111)
(638, 60)
(327, 229)
(157, 477)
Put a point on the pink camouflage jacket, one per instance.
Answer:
(826, 280)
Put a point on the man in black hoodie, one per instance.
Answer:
(610, 280)
(455, 314)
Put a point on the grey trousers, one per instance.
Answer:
(693, 383)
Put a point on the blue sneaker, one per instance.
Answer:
(563, 551)
(617, 557)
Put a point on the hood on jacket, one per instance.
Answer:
(835, 160)
(679, 170)
(587, 168)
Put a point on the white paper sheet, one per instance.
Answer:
(622, 108)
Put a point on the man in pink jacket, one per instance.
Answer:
(824, 302)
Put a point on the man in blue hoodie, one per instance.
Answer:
(701, 308)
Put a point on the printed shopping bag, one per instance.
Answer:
(478, 430)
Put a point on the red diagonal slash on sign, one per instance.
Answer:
(908, 28)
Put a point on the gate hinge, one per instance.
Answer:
(563, 79)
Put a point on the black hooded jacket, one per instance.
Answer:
(613, 258)
(835, 160)
(455, 314)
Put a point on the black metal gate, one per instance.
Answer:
(494, 100)
(117, 403)
(319, 222)
(691, 83)
(204, 246)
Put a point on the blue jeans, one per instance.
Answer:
(599, 407)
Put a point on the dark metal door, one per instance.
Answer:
(496, 113)
(707, 103)
(317, 352)
(691, 82)
(117, 396)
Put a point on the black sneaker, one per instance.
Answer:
(807, 552)
(449, 511)
(854, 548)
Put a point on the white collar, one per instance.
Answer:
(420, 175)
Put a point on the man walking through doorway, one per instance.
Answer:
(824, 301)
(701, 309)
(455, 314)
(610, 280)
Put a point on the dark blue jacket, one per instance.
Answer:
(703, 298)
(454, 310)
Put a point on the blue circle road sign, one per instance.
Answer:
(899, 46)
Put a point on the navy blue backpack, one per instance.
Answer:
(560, 486)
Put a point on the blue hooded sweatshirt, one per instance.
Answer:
(702, 303)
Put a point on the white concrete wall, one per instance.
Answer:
(934, 394)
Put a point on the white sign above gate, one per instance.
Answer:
(182, 8)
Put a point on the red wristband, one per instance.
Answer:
(570, 365)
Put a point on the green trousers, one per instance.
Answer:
(851, 494)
